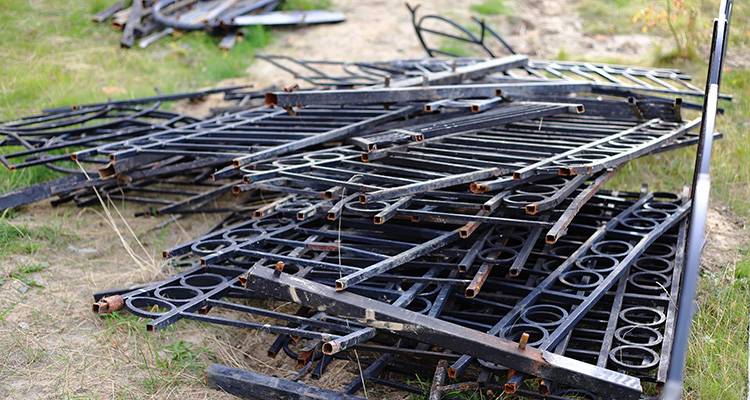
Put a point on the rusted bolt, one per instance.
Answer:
(522, 342)
(279, 267)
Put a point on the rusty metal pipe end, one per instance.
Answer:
(331, 348)
(270, 99)
(109, 304)
(477, 187)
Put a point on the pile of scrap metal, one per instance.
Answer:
(418, 220)
(151, 20)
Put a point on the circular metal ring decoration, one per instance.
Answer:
(203, 281)
(290, 162)
(148, 307)
(206, 247)
(509, 255)
(543, 190)
(597, 263)
(660, 250)
(242, 234)
(537, 334)
(636, 335)
(327, 156)
(575, 279)
(177, 294)
(639, 224)
(544, 315)
(612, 248)
(521, 200)
(271, 224)
(366, 208)
(624, 357)
(654, 264)
(657, 215)
(661, 206)
(642, 316)
(650, 281)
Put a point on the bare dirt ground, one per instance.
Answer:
(52, 346)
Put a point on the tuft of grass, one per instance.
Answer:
(24, 274)
(289, 5)
(182, 356)
(167, 362)
(19, 239)
(742, 269)
(717, 356)
(124, 323)
(562, 55)
(490, 7)
(173, 363)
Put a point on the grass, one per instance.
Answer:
(20, 239)
(306, 5)
(54, 55)
(166, 362)
(717, 357)
(490, 7)
(742, 269)
(24, 274)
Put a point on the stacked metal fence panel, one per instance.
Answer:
(442, 220)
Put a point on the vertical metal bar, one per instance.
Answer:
(700, 192)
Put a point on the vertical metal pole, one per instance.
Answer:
(700, 193)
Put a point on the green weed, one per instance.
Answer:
(306, 5)
(490, 7)
(19, 239)
(717, 356)
(24, 274)
(742, 269)
(456, 48)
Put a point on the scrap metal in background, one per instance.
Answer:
(427, 219)
(151, 20)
